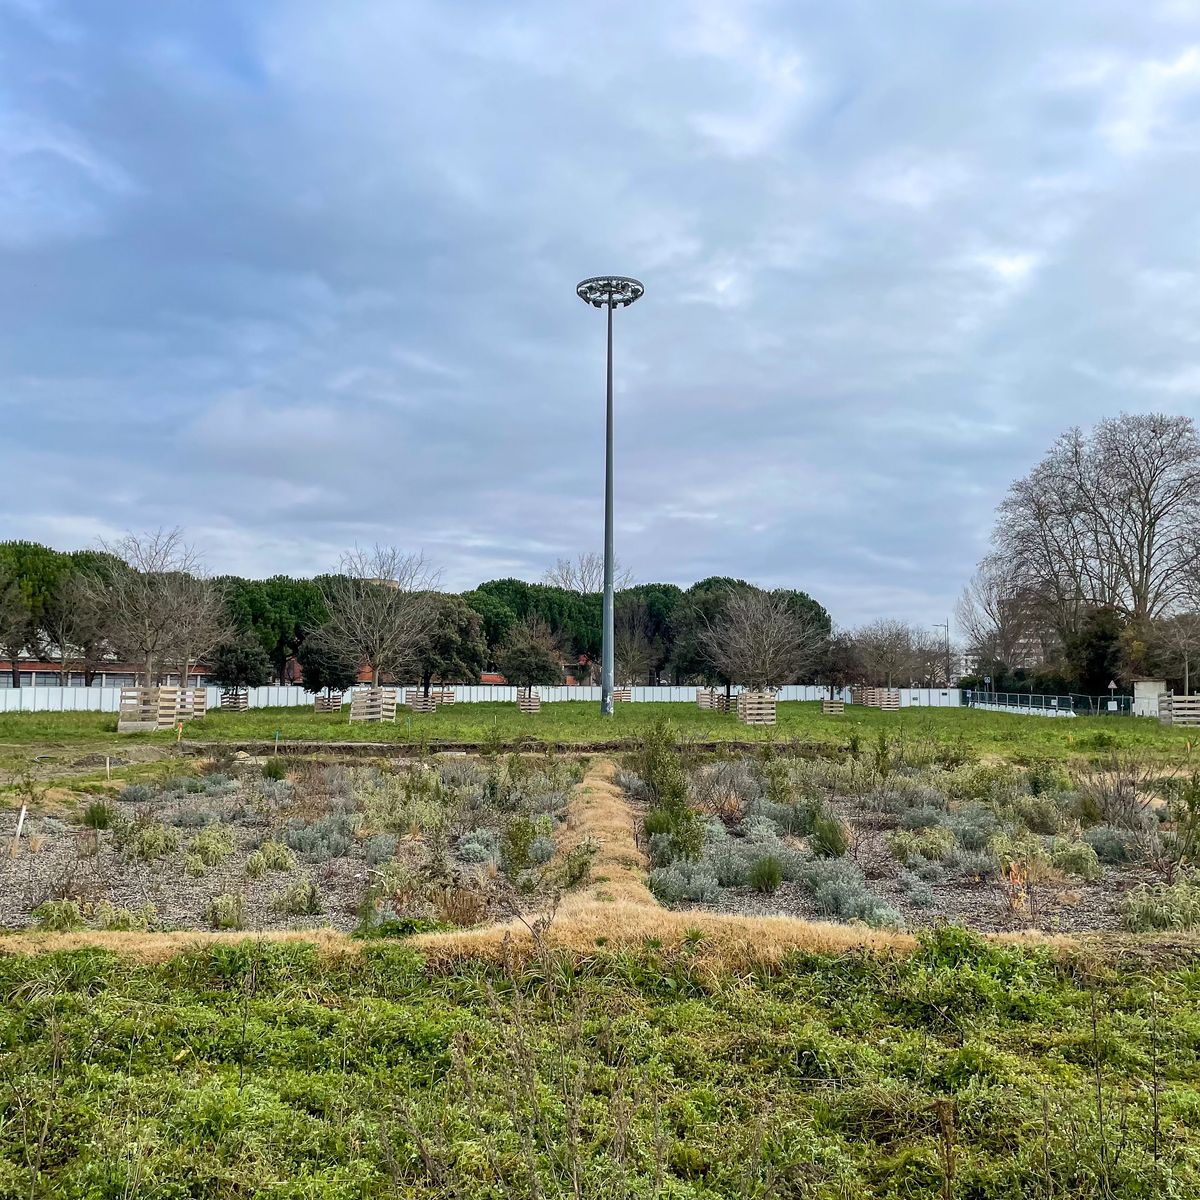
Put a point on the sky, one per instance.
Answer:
(296, 276)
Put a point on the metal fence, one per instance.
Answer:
(1070, 704)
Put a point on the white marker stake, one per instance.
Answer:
(20, 825)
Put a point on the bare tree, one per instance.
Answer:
(585, 574)
(756, 639)
(1109, 520)
(997, 616)
(1179, 638)
(158, 609)
(635, 653)
(382, 607)
(889, 651)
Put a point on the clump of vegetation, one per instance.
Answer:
(839, 889)
(136, 793)
(99, 814)
(301, 899)
(59, 916)
(480, 846)
(228, 911)
(1075, 858)
(380, 848)
(212, 845)
(931, 844)
(111, 917)
(1112, 845)
(671, 819)
(684, 880)
(766, 874)
(1149, 908)
(274, 768)
(270, 856)
(916, 889)
(829, 837)
(328, 837)
(146, 840)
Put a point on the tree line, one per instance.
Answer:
(1094, 571)
(146, 600)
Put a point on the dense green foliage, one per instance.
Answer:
(965, 1070)
(242, 663)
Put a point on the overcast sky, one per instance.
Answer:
(298, 274)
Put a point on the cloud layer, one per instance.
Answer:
(294, 275)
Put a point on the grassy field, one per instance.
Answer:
(968, 731)
(964, 1069)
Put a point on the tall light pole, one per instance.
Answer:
(608, 291)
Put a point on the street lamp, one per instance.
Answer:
(608, 291)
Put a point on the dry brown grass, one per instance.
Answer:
(155, 947)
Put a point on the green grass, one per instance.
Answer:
(970, 731)
(965, 1070)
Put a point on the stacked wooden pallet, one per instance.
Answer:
(144, 710)
(529, 702)
(711, 699)
(235, 699)
(193, 703)
(623, 695)
(327, 704)
(887, 699)
(1179, 710)
(834, 708)
(373, 704)
(756, 708)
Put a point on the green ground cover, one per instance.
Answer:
(969, 731)
(963, 1070)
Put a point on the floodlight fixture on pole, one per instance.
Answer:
(608, 291)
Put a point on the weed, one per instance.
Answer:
(59, 916)
(1112, 845)
(110, 917)
(99, 815)
(1075, 858)
(212, 845)
(1163, 906)
(766, 874)
(228, 911)
(274, 768)
(301, 899)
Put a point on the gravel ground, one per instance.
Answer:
(54, 858)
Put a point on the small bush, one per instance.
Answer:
(479, 846)
(515, 844)
(59, 916)
(1112, 845)
(270, 856)
(193, 818)
(541, 849)
(1040, 813)
(302, 899)
(274, 768)
(1163, 906)
(839, 890)
(766, 874)
(147, 840)
(228, 911)
(829, 838)
(1075, 858)
(98, 815)
(380, 848)
(925, 817)
(974, 827)
(919, 893)
(110, 917)
(932, 844)
(193, 865)
(975, 864)
(136, 793)
(329, 837)
(683, 881)
(212, 845)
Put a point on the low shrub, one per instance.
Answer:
(931, 844)
(274, 768)
(839, 889)
(302, 899)
(1163, 906)
(925, 817)
(1112, 845)
(515, 844)
(974, 864)
(270, 856)
(193, 865)
(683, 881)
(766, 874)
(58, 916)
(329, 837)
(541, 849)
(98, 815)
(228, 911)
(479, 846)
(109, 917)
(918, 891)
(193, 818)
(212, 845)
(146, 840)
(1075, 858)
(380, 848)
(974, 827)
(136, 793)
(829, 838)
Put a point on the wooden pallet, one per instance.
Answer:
(193, 703)
(887, 699)
(529, 702)
(622, 695)
(144, 710)
(756, 708)
(235, 700)
(712, 700)
(328, 704)
(1179, 710)
(373, 704)
(833, 708)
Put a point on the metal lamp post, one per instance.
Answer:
(608, 291)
